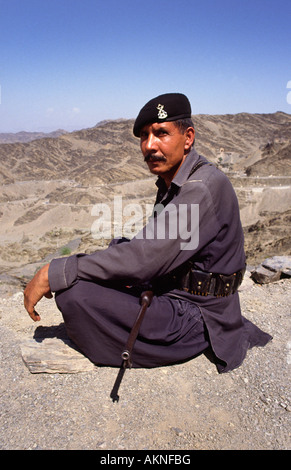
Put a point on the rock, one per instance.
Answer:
(278, 263)
(263, 275)
(53, 355)
(272, 269)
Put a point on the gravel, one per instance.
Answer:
(182, 407)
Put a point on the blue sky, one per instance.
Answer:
(72, 63)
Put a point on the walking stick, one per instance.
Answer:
(145, 301)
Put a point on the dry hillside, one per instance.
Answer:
(50, 185)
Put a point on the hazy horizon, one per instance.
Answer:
(69, 65)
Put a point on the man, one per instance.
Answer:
(194, 274)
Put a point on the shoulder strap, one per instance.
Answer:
(197, 166)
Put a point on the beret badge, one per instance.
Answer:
(162, 114)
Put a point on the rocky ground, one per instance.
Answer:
(188, 406)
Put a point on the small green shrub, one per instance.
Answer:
(65, 251)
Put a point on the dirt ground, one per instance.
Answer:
(181, 407)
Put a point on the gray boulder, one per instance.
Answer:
(272, 269)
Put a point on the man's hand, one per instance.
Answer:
(37, 288)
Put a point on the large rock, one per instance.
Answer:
(272, 269)
(278, 263)
(53, 355)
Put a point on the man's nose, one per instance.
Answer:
(151, 143)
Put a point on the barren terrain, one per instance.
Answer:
(49, 188)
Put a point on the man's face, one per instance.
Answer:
(165, 148)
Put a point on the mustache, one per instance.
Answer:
(154, 158)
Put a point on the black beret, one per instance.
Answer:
(167, 107)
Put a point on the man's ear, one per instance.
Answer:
(190, 137)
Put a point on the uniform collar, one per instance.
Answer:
(183, 173)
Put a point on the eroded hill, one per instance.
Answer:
(50, 185)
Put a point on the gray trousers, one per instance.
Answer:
(98, 319)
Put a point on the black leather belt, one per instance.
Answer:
(196, 282)
(220, 285)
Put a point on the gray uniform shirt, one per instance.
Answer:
(216, 244)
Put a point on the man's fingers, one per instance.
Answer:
(29, 304)
(35, 316)
(37, 288)
(30, 309)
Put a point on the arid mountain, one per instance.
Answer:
(49, 186)
(10, 138)
(109, 151)
(239, 137)
(102, 154)
(275, 160)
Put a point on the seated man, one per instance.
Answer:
(194, 273)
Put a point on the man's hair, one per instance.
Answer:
(183, 124)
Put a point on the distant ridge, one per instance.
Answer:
(109, 152)
(23, 136)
